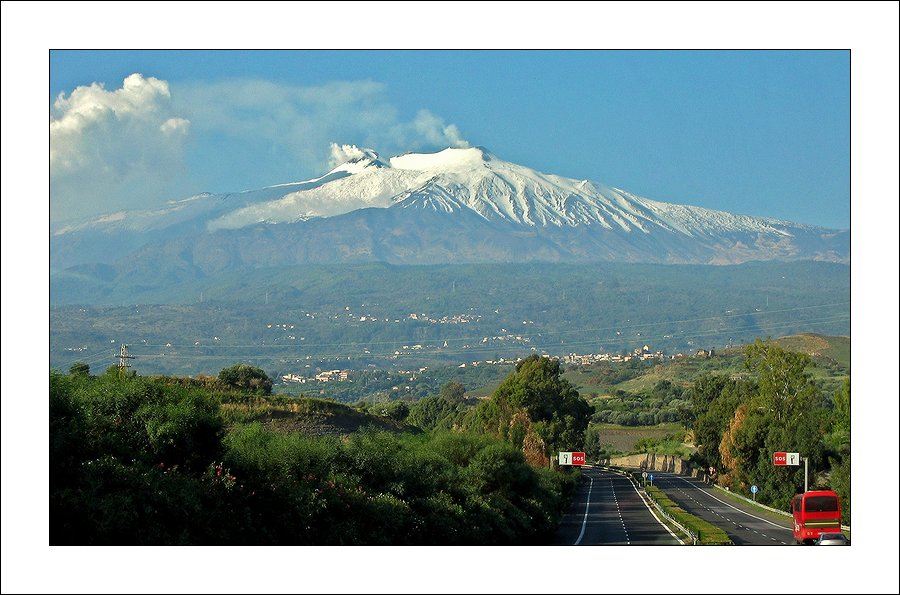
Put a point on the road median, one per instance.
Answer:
(699, 531)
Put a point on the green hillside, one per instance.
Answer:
(830, 356)
(312, 417)
(820, 347)
(356, 316)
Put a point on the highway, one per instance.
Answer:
(743, 523)
(607, 510)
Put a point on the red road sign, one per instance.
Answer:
(780, 458)
(578, 458)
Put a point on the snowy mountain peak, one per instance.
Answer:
(447, 160)
(472, 188)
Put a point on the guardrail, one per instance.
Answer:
(749, 501)
(694, 537)
(716, 535)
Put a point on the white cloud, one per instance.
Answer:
(176, 126)
(126, 148)
(298, 124)
(113, 149)
(343, 153)
(435, 131)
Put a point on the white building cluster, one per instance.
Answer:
(329, 376)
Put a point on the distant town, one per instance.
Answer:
(645, 353)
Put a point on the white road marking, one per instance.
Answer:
(651, 511)
(586, 507)
(735, 508)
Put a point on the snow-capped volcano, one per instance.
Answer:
(497, 190)
(456, 205)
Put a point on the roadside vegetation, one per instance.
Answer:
(738, 425)
(728, 414)
(164, 461)
(220, 460)
(706, 532)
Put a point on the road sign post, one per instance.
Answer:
(793, 459)
(644, 475)
(651, 479)
(572, 458)
(753, 490)
(805, 474)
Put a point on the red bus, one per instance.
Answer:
(815, 513)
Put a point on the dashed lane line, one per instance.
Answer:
(729, 520)
(734, 507)
(634, 487)
(619, 510)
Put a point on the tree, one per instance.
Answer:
(785, 387)
(432, 413)
(246, 377)
(398, 410)
(785, 412)
(714, 399)
(841, 414)
(453, 391)
(839, 444)
(558, 414)
(706, 389)
(80, 369)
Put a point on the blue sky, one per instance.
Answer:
(754, 132)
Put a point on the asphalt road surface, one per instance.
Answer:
(607, 510)
(742, 522)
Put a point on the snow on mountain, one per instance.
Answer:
(453, 205)
(475, 179)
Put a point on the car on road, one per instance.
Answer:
(832, 539)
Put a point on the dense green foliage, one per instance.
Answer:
(535, 401)
(714, 399)
(739, 424)
(437, 413)
(149, 461)
(671, 444)
(666, 402)
(211, 460)
(246, 377)
(79, 369)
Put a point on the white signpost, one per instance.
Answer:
(793, 458)
(571, 458)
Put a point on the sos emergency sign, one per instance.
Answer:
(786, 458)
(571, 458)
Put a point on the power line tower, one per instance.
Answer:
(123, 364)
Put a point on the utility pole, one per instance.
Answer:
(805, 474)
(123, 364)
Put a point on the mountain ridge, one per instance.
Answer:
(452, 206)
